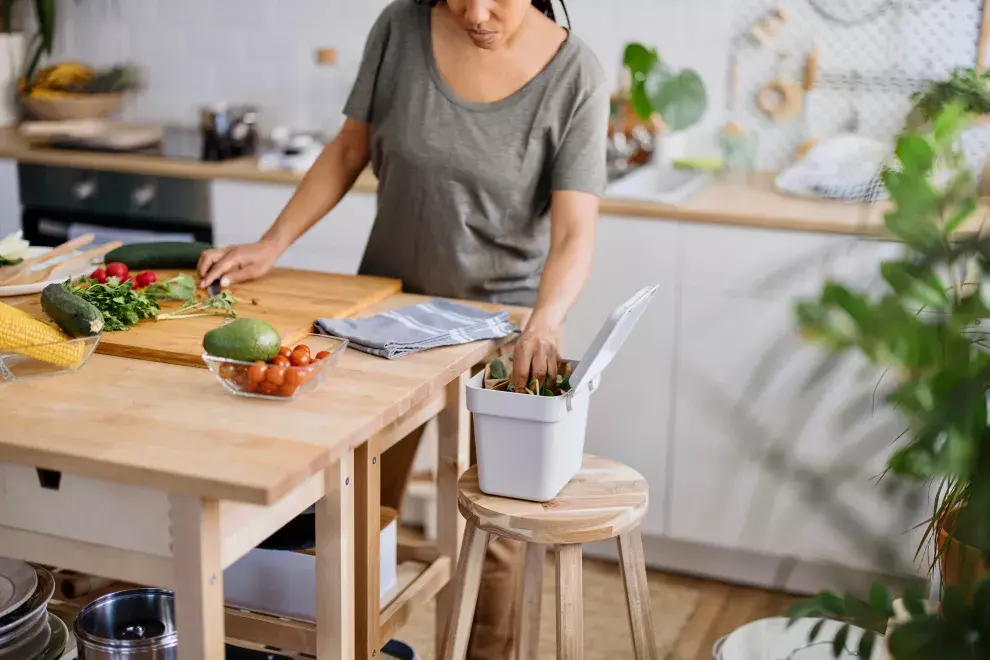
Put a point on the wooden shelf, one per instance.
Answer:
(417, 584)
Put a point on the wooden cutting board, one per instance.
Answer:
(288, 299)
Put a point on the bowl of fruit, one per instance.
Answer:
(248, 359)
(72, 90)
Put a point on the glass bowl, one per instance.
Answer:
(53, 359)
(266, 381)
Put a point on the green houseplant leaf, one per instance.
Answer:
(679, 98)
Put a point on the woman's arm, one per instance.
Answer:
(325, 184)
(572, 246)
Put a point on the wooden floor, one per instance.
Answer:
(721, 608)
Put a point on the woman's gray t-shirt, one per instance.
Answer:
(464, 188)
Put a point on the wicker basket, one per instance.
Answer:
(77, 106)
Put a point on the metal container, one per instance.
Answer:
(137, 624)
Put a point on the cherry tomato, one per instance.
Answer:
(285, 351)
(118, 270)
(276, 375)
(300, 358)
(144, 279)
(100, 275)
(281, 361)
(288, 389)
(252, 388)
(322, 355)
(228, 371)
(268, 388)
(256, 372)
(302, 347)
(294, 376)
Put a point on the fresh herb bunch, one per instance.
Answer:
(967, 88)
(120, 304)
(221, 304)
(180, 287)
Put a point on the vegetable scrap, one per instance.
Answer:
(498, 376)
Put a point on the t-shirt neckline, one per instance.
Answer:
(452, 96)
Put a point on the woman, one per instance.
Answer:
(478, 117)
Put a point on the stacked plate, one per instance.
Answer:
(27, 630)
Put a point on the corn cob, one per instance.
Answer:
(24, 334)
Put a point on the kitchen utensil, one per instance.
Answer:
(769, 27)
(233, 374)
(93, 134)
(214, 288)
(228, 132)
(16, 366)
(30, 608)
(18, 581)
(808, 85)
(27, 639)
(780, 99)
(63, 268)
(58, 640)
(137, 624)
(9, 273)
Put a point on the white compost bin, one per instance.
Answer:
(528, 446)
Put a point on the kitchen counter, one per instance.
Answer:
(753, 204)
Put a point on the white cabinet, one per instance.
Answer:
(243, 211)
(629, 420)
(758, 413)
(10, 204)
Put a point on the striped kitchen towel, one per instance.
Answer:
(419, 327)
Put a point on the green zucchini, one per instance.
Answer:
(75, 316)
(157, 255)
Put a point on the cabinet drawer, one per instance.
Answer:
(83, 509)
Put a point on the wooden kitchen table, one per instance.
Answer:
(152, 473)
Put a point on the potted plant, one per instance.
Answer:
(675, 100)
(924, 329)
(11, 63)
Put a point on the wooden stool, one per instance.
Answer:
(604, 501)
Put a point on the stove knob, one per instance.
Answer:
(144, 195)
(84, 190)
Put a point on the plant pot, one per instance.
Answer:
(668, 147)
(11, 65)
(958, 560)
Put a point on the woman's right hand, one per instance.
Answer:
(237, 263)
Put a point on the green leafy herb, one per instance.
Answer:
(219, 305)
(498, 369)
(120, 304)
(9, 262)
(180, 287)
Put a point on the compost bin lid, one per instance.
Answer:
(611, 338)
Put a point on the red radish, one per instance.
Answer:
(118, 270)
(99, 275)
(144, 279)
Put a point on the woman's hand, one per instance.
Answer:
(237, 263)
(535, 357)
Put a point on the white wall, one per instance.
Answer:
(197, 51)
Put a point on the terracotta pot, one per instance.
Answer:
(957, 555)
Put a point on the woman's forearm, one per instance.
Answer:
(568, 266)
(324, 185)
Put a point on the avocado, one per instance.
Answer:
(246, 340)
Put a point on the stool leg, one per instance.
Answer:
(530, 603)
(570, 606)
(633, 566)
(472, 560)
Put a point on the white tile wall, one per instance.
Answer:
(262, 51)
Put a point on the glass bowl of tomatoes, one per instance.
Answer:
(295, 371)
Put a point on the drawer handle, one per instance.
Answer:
(49, 479)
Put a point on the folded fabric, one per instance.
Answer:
(417, 328)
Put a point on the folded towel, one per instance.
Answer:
(417, 328)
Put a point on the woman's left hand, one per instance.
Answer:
(535, 357)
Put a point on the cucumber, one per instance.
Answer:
(75, 316)
(157, 255)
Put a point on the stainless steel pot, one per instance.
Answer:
(137, 624)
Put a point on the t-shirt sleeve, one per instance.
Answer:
(580, 164)
(361, 101)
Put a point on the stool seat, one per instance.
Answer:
(604, 500)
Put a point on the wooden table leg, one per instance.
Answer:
(454, 447)
(632, 565)
(335, 562)
(367, 539)
(570, 605)
(198, 577)
(530, 603)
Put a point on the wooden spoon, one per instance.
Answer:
(11, 273)
(55, 272)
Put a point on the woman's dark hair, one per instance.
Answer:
(545, 7)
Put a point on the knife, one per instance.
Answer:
(214, 288)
